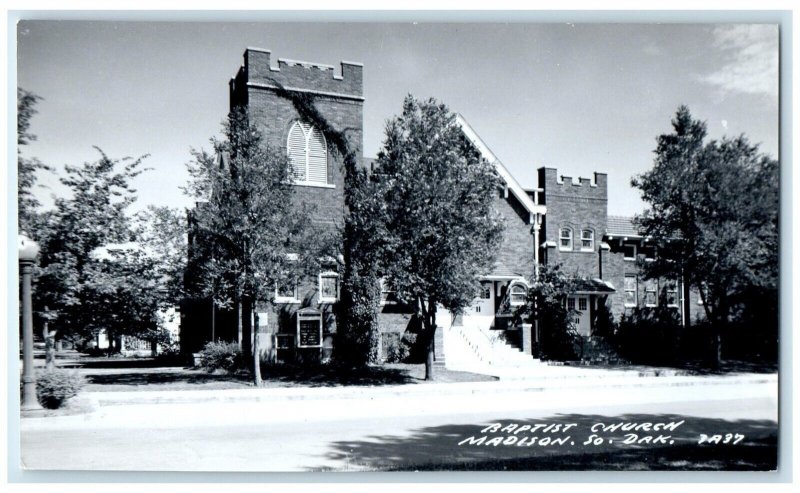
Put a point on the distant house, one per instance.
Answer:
(168, 317)
(559, 221)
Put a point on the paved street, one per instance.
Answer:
(419, 431)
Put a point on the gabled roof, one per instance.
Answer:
(513, 186)
(593, 286)
(622, 226)
(500, 271)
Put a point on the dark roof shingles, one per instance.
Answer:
(621, 226)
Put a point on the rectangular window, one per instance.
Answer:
(570, 303)
(587, 240)
(651, 293)
(630, 252)
(649, 253)
(486, 290)
(672, 294)
(582, 305)
(286, 292)
(328, 286)
(630, 290)
(565, 239)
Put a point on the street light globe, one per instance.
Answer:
(28, 249)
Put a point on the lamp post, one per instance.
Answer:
(28, 250)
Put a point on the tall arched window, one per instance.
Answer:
(565, 239)
(308, 154)
(587, 240)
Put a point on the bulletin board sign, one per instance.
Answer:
(309, 331)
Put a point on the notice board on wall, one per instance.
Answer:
(309, 332)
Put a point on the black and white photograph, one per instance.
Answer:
(249, 245)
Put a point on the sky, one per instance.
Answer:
(577, 97)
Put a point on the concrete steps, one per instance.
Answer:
(477, 348)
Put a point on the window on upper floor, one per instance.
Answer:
(587, 240)
(286, 291)
(649, 253)
(486, 291)
(565, 239)
(308, 154)
(630, 290)
(328, 287)
(651, 292)
(629, 251)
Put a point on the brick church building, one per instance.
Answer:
(559, 221)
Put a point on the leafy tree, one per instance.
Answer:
(30, 221)
(364, 237)
(93, 216)
(441, 226)
(139, 281)
(94, 274)
(547, 305)
(162, 231)
(713, 206)
(254, 237)
(128, 292)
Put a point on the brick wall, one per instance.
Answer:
(615, 267)
(259, 68)
(583, 204)
(516, 251)
(339, 100)
(580, 205)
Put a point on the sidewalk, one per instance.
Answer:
(556, 381)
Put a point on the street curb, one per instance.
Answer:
(101, 399)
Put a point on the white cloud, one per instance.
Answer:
(750, 59)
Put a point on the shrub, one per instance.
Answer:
(650, 336)
(559, 339)
(397, 347)
(172, 356)
(546, 303)
(222, 356)
(54, 387)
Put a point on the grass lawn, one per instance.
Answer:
(146, 374)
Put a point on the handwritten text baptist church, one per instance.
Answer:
(561, 434)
